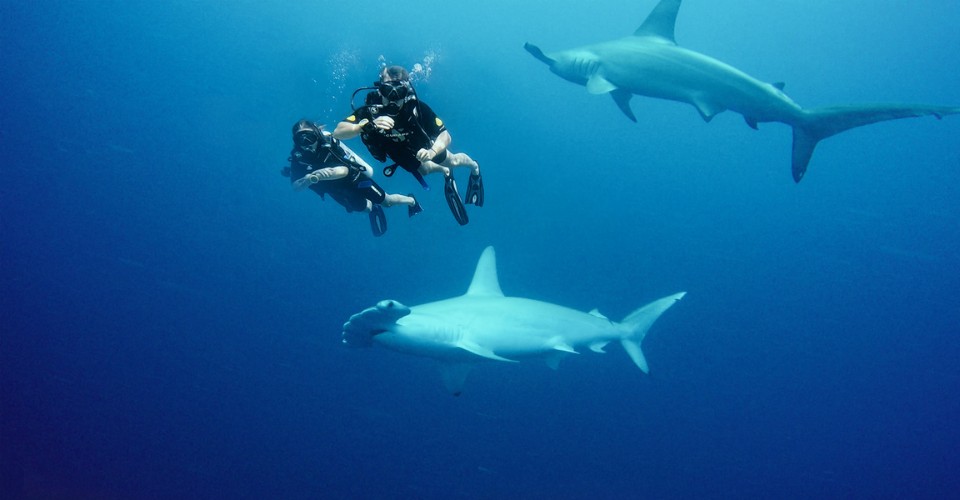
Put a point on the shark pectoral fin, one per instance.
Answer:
(622, 98)
(751, 122)
(481, 351)
(597, 84)
(454, 376)
(707, 109)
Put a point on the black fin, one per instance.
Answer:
(416, 208)
(474, 194)
(378, 221)
(453, 200)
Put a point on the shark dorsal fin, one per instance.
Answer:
(485, 282)
(661, 21)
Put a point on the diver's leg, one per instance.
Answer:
(413, 206)
(461, 160)
(474, 194)
(429, 167)
(398, 199)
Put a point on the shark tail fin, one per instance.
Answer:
(638, 323)
(820, 123)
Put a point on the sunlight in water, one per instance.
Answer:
(420, 71)
(341, 64)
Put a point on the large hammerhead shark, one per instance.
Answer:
(650, 63)
(484, 325)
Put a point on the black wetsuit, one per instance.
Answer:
(351, 191)
(416, 126)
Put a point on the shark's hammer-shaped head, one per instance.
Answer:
(442, 329)
(575, 65)
(372, 321)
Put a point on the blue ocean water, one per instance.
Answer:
(171, 309)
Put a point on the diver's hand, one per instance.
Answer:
(426, 155)
(305, 181)
(383, 123)
(362, 124)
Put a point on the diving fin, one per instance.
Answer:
(378, 221)
(423, 182)
(415, 208)
(474, 190)
(453, 200)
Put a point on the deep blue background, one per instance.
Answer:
(171, 309)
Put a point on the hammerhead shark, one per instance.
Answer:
(484, 325)
(649, 63)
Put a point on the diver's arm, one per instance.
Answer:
(329, 173)
(320, 175)
(347, 130)
(440, 144)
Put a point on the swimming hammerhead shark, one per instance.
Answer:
(650, 63)
(484, 325)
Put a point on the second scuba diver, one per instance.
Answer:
(328, 167)
(394, 122)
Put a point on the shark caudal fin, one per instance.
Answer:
(638, 323)
(820, 123)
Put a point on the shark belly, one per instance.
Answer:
(509, 327)
(524, 328)
(666, 71)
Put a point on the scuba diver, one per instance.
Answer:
(394, 122)
(329, 167)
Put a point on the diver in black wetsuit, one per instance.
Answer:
(394, 122)
(328, 167)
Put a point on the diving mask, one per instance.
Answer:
(394, 90)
